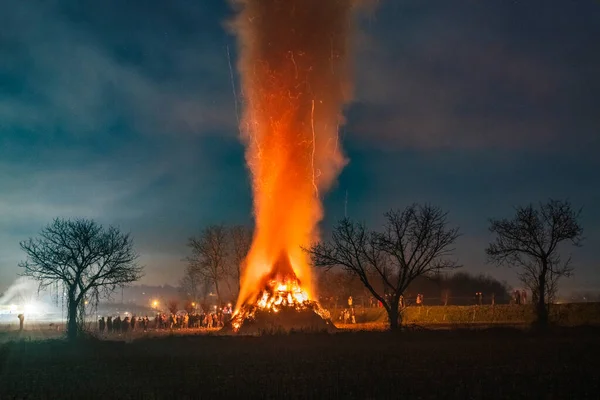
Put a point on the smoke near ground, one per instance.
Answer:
(24, 296)
(295, 76)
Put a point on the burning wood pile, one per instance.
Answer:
(282, 306)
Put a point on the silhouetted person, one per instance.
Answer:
(109, 325)
(101, 325)
(419, 299)
(117, 324)
(21, 319)
(346, 316)
(133, 321)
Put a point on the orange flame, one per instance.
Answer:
(294, 77)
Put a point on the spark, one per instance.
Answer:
(312, 125)
(331, 55)
(295, 66)
(337, 138)
(237, 116)
(346, 205)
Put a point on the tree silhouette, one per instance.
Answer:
(531, 240)
(240, 238)
(415, 242)
(190, 284)
(209, 256)
(83, 256)
(173, 306)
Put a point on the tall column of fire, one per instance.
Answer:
(293, 62)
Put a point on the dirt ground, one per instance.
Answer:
(484, 363)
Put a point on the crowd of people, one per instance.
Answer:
(220, 317)
(519, 297)
(347, 316)
(122, 325)
(161, 320)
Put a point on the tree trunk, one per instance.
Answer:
(394, 315)
(541, 310)
(72, 328)
(218, 293)
(228, 286)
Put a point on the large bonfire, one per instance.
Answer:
(294, 74)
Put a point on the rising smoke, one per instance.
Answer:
(295, 76)
(25, 296)
(21, 291)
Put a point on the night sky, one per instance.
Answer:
(123, 111)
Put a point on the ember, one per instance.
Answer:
(282, 293)
(287, 294)
(278, 296)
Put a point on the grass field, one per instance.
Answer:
(498, 363)
(563, 314)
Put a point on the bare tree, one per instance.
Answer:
(209, 256)
(189, 306)
(190, 284)
(335, 285)
(240, 241)
(173, 305)
(530, 241)
(86, 258)
(414, 242)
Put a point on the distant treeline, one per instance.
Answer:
(460, 288)
(333, 286)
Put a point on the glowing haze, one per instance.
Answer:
(293, 62)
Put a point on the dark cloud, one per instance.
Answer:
(69, 72)
(123, 111)
(505, 75)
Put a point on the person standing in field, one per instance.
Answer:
(479, 297)
(21, 320)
